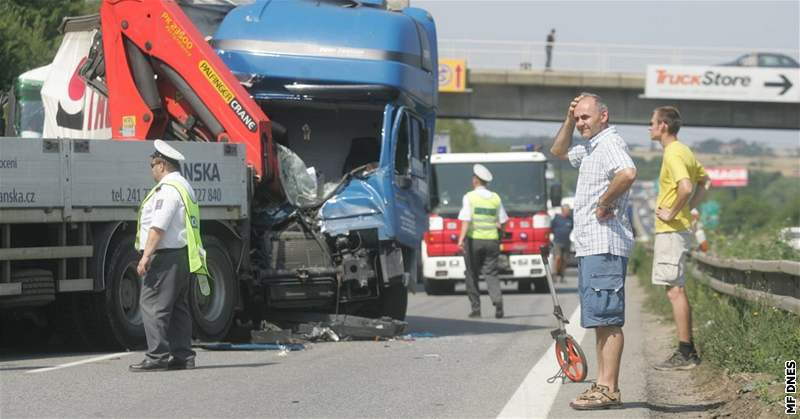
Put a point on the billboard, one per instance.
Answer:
(727, 176)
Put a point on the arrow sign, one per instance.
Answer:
(786, 84)
(452, 75)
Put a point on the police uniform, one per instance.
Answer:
(171, 206)
(483, 209)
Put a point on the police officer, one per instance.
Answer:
(168, 239)
(482, 215)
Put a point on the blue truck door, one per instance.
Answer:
(410, 184)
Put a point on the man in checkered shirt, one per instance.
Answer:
(603, 236)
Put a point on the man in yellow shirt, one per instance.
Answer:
(681, 186)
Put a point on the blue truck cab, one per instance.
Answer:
(351, 90)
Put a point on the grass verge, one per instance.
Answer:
(732, 334)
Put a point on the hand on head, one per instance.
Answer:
(572, 105)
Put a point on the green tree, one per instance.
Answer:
(464, 138)
(647, 169)
(29, 35)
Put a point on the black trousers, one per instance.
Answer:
(481, 259)
(166, 314)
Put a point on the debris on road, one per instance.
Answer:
(417, 335)
(224, 346)
(313, 327)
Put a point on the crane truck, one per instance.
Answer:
(319, 207)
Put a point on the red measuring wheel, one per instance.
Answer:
(574, 363)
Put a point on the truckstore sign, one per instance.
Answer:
(745, 84)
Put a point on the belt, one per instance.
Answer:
(164, 250)
(169, 250)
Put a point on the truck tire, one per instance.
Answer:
(541, 286)
(119, 316)
(436, 287)
(212, 316)
(524, 286)
(394, 301)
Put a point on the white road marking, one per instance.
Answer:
(85, 361)
(534, 398)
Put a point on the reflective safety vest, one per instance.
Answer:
(484, 216)
(194, 244)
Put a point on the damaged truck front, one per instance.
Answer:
(318, 208)
(351, 90)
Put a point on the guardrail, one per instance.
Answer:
(776, 282)
(505, 54)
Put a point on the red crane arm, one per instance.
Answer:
(161, 71)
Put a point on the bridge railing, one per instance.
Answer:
(521, 55)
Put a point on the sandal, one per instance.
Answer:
(588, 391)
(597, 397)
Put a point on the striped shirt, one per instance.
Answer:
(597, 161)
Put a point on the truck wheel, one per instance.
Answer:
(541, 285)
(394, 301)
(436, 287)
(212, 315)
(119, 311)
(524, 285)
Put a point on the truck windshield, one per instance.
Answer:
(521, 186)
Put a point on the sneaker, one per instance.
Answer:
(498, 312)
(475, 313)
(677, 362)
(597, 397)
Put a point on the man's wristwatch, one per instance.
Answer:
(607, 207)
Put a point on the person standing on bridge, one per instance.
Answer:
(603, 236)
(681, 176)
(548, 48)
(168, 239)
(482, 217)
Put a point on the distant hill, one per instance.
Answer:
(737, 147)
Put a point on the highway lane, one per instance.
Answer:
(470, 368)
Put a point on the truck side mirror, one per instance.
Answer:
(555, 195)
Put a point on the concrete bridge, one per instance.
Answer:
(544, 96)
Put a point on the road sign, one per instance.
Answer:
(746, 84)
(709, 214)
(441, 143)
(452, 75)
(727, 176)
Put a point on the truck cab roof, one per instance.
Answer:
(278, 45)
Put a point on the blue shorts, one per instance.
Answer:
(601, 287)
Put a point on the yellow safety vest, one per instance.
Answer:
(194, 244)
(484, 216)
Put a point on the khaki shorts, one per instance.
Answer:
(669, 258)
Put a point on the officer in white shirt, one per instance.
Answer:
(168, 245)
(482, 216)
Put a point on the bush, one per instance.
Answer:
(763, 244)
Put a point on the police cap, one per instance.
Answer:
(482, 172)
(167, 152)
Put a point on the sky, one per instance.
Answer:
(703, 32)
